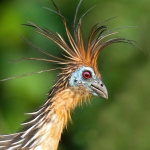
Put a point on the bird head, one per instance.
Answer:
(85, 77)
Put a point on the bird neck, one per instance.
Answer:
(47, 124)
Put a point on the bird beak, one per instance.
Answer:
(99, 88)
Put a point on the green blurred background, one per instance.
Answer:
(122, 122)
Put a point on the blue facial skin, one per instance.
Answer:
(77, 79)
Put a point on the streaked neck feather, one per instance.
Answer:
(43, 130)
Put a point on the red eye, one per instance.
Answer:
(86, 74)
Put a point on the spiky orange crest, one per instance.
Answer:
(76, 52)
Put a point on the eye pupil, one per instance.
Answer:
(86, 74)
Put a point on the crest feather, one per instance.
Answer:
(76, 52)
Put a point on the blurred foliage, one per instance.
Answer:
(123, 121)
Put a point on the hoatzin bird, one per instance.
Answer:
(78, 80)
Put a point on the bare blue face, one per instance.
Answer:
(85, 76)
